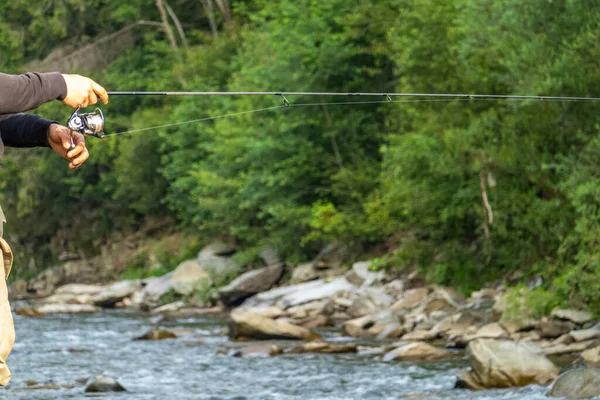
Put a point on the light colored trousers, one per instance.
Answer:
(7, 327)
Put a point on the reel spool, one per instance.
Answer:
(88, 124)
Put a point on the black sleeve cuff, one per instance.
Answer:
(25, 130)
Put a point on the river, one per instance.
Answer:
(59, 349)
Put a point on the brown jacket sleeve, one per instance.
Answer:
(20, 93)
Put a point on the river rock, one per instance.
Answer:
(332, 256)
(576, 316)
(489, 331)
(323, 348)
(68, 298)
(369, 301)
(361, 275)
(418, 335)
(79, 288)
(154, 288)
(157, 334)
(550, 329)
(215, 258)
(371, 325)
(571, 348)
(391, 331)
(591, 357)
(116, 292)
(67, 308)
(250, 283)
(289, 296)
(188, 275)
(304, 273)
(102, 384)
(410, 299)
(504, 363)
(456, 324)
(244, 325)
(256, 350)
(579, 383)
(169, 308)
(417, 351)
(28, 311)
(586, 334)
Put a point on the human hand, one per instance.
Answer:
(59, 138)
(82, 91)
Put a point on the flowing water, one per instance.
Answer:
(60, 349)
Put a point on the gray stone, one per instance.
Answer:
(417, 351)
(361, 275)
(188, 275)
(304, 273)
(79, 288)
(216, 248)
(102, 384)
(245, 325)
(67, 308)
(269, 256)
(591, 357)
(550, 329)
(505, 363)
(369, 301)
(586, 334)
(580, 383)
(576, 316)
(289, 296)
(410, 299)
(249, 284)
(154, 289)
(116, 292)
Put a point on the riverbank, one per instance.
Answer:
(329, 309)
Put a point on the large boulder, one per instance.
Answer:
(188, 275)
(417, 351)
(289, 296)
(580, 383)
(116, 292)
(505, 363)
(250, 283)
(245, 325)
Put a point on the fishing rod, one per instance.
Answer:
(92, 123)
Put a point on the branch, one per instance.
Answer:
(490, 216)
(177, 25)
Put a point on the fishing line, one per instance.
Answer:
(287, 104)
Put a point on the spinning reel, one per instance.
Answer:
(88, 124)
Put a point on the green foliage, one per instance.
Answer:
(408, 175)
(523, 303)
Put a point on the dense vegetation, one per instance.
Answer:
(408, 176)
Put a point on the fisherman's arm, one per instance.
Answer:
(24, 92)
(28, 130)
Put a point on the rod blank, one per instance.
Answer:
(363, 94)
